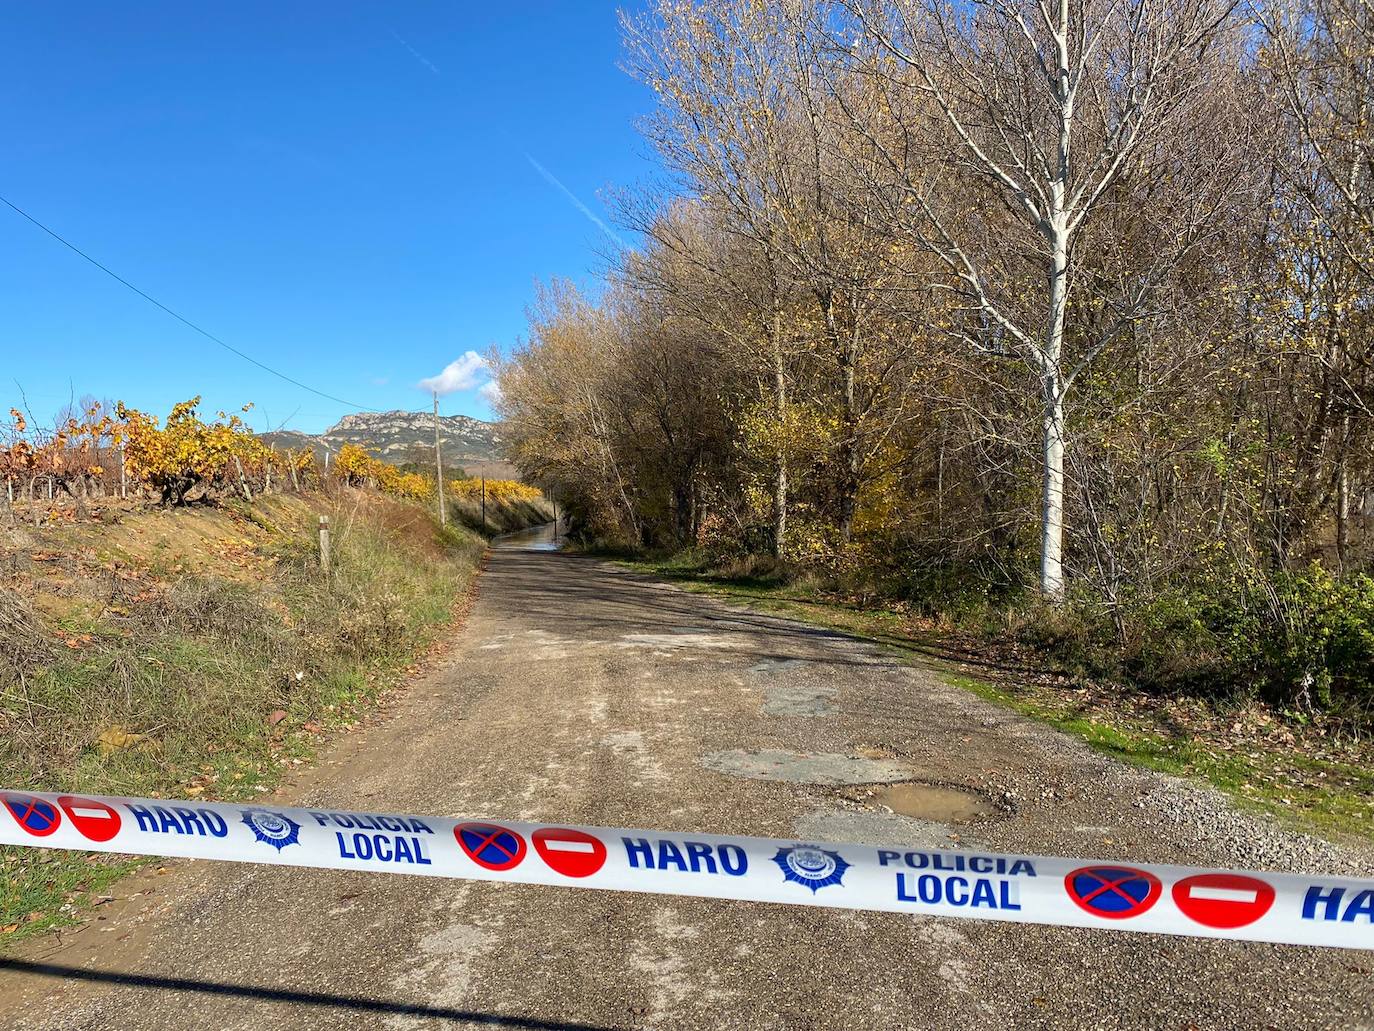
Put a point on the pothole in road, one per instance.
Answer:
(873, 751)
(940, 803)
(799, 700)
(776, 665)
(805, 767)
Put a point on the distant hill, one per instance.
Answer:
(405, 437)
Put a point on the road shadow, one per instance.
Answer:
(352, 1003)
(542, 589)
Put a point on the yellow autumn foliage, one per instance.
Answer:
(356, 466)
(188, 452)
(501, 492)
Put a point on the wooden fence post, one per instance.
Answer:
(324, 543)
(243, 482)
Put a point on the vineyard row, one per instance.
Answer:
(126, 453)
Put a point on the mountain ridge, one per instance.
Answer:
(401, 437)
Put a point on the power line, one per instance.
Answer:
(180, 318)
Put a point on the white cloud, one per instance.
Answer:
(462, 374)
(491, 390)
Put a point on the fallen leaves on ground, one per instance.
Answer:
(112, 739)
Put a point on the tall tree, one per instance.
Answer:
(1045, 105)
(1319, 57)
(743, 120)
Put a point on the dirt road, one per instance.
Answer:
(582, 693)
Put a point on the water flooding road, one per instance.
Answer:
(582, 693)
(536, 538)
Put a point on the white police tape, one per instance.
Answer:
(1209, 903)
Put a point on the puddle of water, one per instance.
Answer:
(933, 802)
(536, 538)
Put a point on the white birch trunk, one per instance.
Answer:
(1052, 499)
(1052, 421)
(1057, 230)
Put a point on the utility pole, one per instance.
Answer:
(439, 463)
(484, 504)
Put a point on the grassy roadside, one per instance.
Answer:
(1297, 774)
(201, 654)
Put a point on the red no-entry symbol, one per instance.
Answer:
(94, 820)
(569, 852)
(1223, 899)
(1113, 892)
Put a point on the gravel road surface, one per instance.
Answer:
(579, 692)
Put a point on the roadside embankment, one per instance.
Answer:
(199, 652)
(498, 506)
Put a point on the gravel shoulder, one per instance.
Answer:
(584, 693)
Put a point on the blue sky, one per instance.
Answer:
(342, 190)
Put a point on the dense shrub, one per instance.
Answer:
(1301, 640)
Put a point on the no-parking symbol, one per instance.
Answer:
(490, 845)
(1113, 892)
(36, 815)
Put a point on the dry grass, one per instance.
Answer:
(185, 635)
(23, 641)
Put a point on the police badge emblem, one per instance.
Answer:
(811, 866)
(272, 828)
